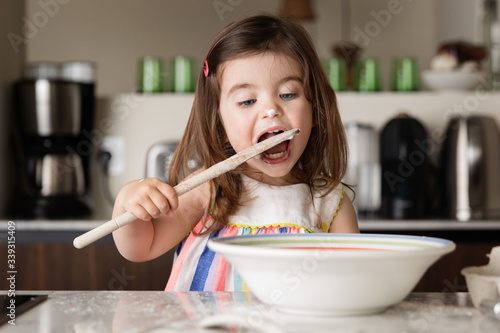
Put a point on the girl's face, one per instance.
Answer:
(250, 87)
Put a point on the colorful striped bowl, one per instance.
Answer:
(331, 274)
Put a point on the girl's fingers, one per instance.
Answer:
(168, 192)
(160, 201)
(149, 198)
(151, 208)
(140, 212)
(141, 205)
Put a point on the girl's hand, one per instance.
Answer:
(155, 201)
(148, 199)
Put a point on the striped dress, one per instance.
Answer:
(272, 209)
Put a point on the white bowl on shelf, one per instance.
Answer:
(451, 80)
(331, 274)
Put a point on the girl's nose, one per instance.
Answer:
(271, 113)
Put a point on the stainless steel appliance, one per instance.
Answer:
(363, 172)
(470, 174)
(159, 156)
(158, 159)
(53, 119)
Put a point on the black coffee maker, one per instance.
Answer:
(405, 169)
(53, 114)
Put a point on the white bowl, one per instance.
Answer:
(451, 80)
(331, 274)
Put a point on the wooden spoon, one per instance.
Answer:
(187, 185)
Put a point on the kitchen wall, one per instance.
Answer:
(116, 34)
(12, 58)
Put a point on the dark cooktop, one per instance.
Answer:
(22, 304)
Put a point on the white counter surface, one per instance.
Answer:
(378, 225)
(159, 311)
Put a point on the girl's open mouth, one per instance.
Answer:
(277, 153)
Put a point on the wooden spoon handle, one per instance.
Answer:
(187, 185)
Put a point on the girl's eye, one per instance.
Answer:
(249, 102)
(288, 96)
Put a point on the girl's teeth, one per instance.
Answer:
(274, 156)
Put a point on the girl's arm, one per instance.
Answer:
(164, 219)
(346, 220)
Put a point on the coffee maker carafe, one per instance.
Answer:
(54, 111)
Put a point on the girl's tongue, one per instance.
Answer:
(279, 148)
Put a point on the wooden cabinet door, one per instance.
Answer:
(56, 266)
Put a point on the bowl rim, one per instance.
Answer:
(226, 245)
(479, 271)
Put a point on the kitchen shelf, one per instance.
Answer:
(432, 108)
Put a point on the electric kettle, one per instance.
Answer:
(470, 160)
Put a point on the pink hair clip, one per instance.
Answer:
(205, 68)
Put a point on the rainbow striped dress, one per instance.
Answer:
(272, 209)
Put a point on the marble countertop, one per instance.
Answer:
(159, 311)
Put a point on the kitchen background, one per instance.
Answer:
(116, 34)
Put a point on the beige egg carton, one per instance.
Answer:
(483, 282)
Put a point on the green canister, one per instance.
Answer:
(405, 74)
(150, 75)
(336, 72)
(367, 77)
(182, 75)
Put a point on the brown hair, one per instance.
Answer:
(205, 140)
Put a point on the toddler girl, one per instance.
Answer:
(261, 77)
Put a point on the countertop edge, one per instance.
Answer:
(371, 225)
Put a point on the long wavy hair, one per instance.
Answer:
(324, 160)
